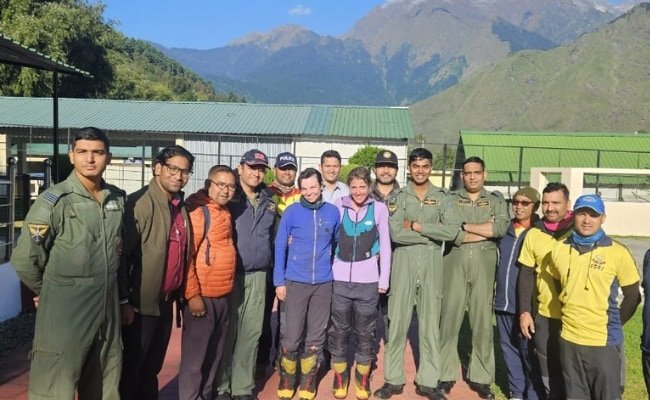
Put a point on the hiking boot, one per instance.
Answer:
(387, 391)
(341, 379)
(362, 381)
(483, 390)
(430, 393)
(308, 372)
(287, 385)
(446, 386)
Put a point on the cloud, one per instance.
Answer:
(300, 10)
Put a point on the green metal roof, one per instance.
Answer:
(501, 152)
(205, 117)
(12, 52)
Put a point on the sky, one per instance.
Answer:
(206, 24)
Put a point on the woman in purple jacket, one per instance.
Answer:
(361, 272)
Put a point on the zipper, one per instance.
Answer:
(512, 252)
(102, 213)
(354, 242)
(313, 253)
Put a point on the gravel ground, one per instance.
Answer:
(15, 332)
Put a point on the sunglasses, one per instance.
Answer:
(521, 202)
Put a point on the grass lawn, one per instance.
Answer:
(634, 385)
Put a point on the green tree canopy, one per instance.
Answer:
(365, 156)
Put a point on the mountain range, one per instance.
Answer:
(600, 82)
(401, 52)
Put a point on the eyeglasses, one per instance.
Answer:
(222, 185)
(521, 202)
(174, 170)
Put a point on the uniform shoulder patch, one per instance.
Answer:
(38, 232)
(53, 194)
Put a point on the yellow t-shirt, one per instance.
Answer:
(590, 283)
(536, 253)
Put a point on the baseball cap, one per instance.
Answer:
(284, 159)
(254, 157)
(386, 157)
(590, 201)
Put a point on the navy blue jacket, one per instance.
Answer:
(505, 296)
(308, 259)
(645, 337)
(253, 230)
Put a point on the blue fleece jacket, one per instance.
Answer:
(505, 295)
(308, 259)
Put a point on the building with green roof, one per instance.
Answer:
(509, 156)
(216, 133)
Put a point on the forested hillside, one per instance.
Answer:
(73, 32)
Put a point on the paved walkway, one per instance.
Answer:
(14, 376)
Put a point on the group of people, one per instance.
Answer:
(108, 269)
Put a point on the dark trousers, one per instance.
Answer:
(591, 372)
(354, 311)
(523, 371)
(202, 348)
(547, 348)
(307, 309)
(145, 344)
(383, 315)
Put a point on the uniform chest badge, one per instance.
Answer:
(483, 203)
(598, 262)
(112, 206)
(430, 202)
(464, 202)
(392, 205)
(38, 232)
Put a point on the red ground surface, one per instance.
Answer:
(14, 377)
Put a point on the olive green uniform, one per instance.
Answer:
(416, 279)
(68, 254)
(469, 273)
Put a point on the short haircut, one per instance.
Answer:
(330, 154)
(360, 173)
(173, 151)
(474, 159)
(218, 169)
(420, 153)
(555, 187)
(308, 173)
(91, 133)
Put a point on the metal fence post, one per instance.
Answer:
(47, 173)
(11, 194)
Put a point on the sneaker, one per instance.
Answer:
(430, 393)
(446, 386)
(387, 391)
(483, 390)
